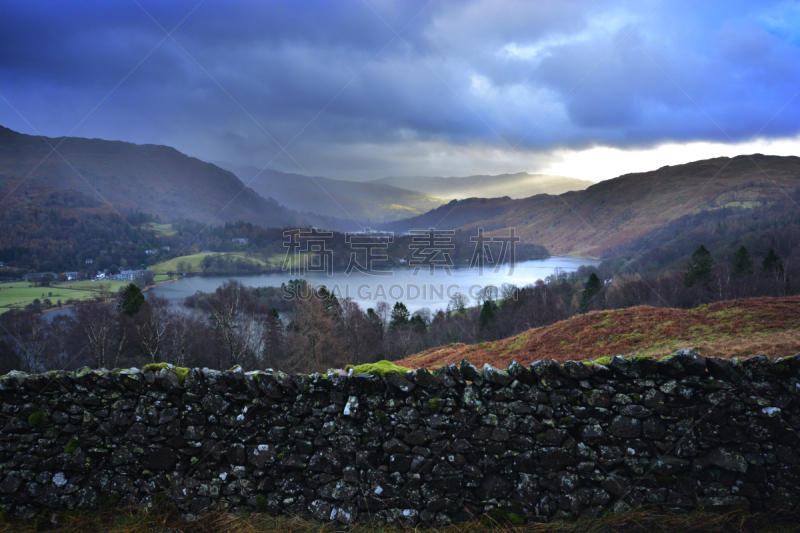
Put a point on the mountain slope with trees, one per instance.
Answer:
(127, 177)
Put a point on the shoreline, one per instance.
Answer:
(342, 270)
(155, 283)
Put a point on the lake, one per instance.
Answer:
(422, 290)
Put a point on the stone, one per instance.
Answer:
(470, 373)
(671, 367)
(338, 490)
(626, 427)
(724, 504)
(693, 362)
(494, 486)
(783, 499)
(424, 378)
(495, 376)
(399, 382)
(577, 370)
(162, 459)
(728, 460)
(168, 380)
(670, 465)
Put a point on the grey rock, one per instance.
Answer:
(495, 376)
(693, 362)
(396, 380)
(728, 460)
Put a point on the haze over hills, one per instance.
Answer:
(519, 185)
(153, 179)
(363, 201)
(616, 211)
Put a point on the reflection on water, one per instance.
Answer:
(422, 290)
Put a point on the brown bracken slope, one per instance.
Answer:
(736, 328)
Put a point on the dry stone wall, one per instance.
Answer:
(527, 444)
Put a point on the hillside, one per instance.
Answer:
(617, 211)
(157, 180)
(519, 185)
(363, 201)
(734, 328)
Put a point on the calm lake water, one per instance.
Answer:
(422, 290)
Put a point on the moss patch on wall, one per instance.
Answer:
(380, 368)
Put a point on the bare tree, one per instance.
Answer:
(29, 340)
(100, 327)
(62, 352)
(152, 324)
(232, 318)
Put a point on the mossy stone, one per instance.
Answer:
(37, 418)
(380, 368)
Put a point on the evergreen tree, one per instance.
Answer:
(130, 300)
(487, 314)
(742, 264)
(418, 323)
(772, 264)
(274, 338)
(400, 316)
(699, 267)
(591, 289)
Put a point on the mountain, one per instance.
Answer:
(519, 185)
(153, 179)
(363, 201)
(617, 211)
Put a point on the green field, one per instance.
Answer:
(164, 230)
(193, 263)
(17, 295)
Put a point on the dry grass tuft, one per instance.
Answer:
(642, 520)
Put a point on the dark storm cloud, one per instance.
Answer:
(464, 76)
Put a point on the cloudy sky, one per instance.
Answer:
(372, 88)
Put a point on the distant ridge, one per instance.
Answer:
(363, 201)
(519, 185)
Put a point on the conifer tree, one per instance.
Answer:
(699, 267)
(399, 317)
(589, 291)
(131, 299)
(742, 264)
(487, 314)
(772, 264)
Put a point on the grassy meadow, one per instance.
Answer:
(20, 294)
(194, 263)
